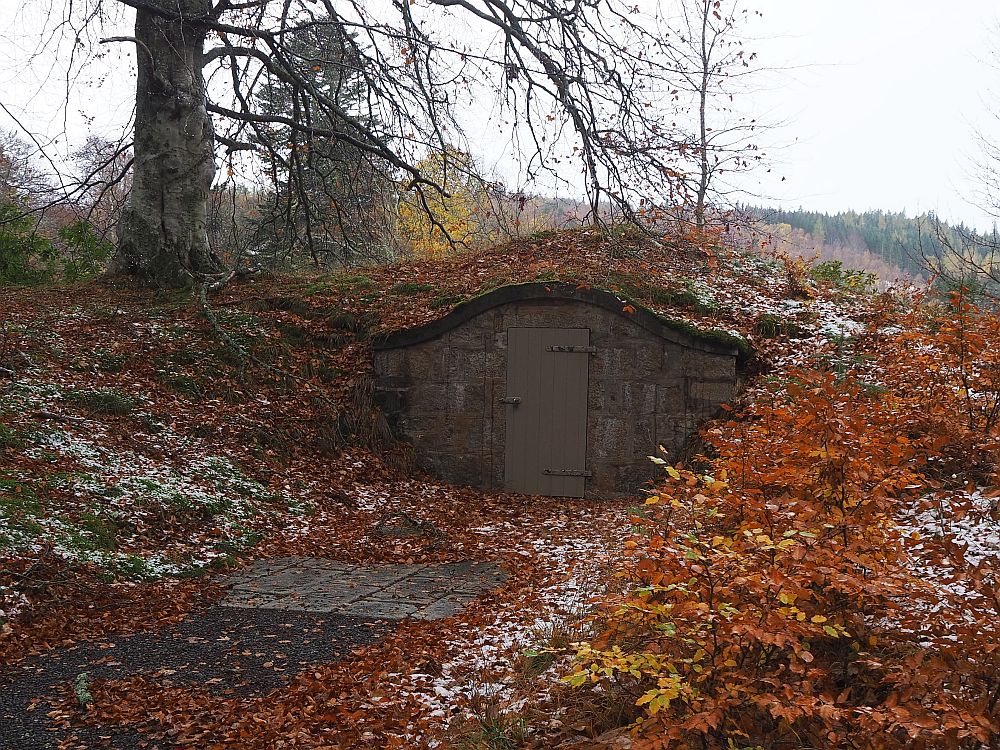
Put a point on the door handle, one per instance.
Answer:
(512, 400)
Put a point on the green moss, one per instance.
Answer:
(294, 335)
(133, 568)
(100, 532)
(543, 276)
(682, 294)
(543, 235)
(17, 496)
(492, 284)
(352, 283)
(239, 543)
(445, 300)
(200, 509)
(183, 384)
(713, 335)
(101, 401)
(19, 509)
(10, 438)
(100, 360)
(174, 298)
(772, 326)
(109, 361)
(294, 305)
(360, 325)
(320, 371)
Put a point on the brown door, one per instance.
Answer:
(546, 402)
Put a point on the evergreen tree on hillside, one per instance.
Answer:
(330, 198)
(908, 243)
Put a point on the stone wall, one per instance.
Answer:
(440, 394)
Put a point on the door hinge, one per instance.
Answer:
(566, 473)
(572, 349)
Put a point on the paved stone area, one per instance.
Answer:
(373, 592)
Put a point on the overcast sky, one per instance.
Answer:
(880, 100)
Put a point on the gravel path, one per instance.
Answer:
(243, 652)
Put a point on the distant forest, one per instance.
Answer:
(891, 245)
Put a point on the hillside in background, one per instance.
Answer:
(890, 245)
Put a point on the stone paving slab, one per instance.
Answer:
(379, 592)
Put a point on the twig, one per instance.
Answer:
(44, 414)
(132, 39)
(425, 528)
(232, 343)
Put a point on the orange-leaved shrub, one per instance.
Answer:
(773, 599)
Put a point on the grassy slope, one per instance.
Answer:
(183, 444)
(198, 448)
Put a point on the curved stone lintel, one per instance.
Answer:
(679, 332)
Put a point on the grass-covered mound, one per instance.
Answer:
(146, 436)
(146, 440)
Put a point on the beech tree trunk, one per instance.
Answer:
(163, 237)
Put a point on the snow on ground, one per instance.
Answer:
(107, 489)
(970, 520)
(486, 657)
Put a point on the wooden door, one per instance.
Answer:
(548, 371)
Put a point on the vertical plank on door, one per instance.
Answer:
(547, 430)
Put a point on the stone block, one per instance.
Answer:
(595, 396)
(616, 363)
(466, 365)
(553, 314)
(439, 610)
(389, 400)
(372, 610)
(612, 394)
(610, 436)
(245, 600)
(648, 358)
(674, 430)
(496, 469)
(389, 362)
(711, 367)
(639, 397)
(642, 436)
(426, 362)
(463, 433)
(467, 398)
(455, 467)
(415, 599)
(426, 398)
(621, 327)
(472, 336)
(495, 364)
(706, 397)
(670, 396)
(636, 477)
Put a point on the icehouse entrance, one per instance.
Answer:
(550, 389)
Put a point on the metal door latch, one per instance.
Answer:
(512, 400)
(567, 473)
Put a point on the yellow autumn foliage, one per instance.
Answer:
(462, 216)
